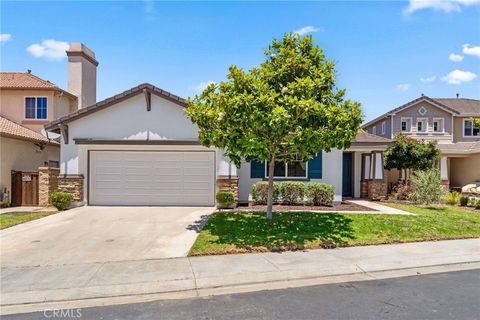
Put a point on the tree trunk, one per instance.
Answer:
(271, 168)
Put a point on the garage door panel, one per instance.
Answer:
(152, 178)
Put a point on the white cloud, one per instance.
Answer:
(459, 76)
(438, 5)
(306, 29)
(403, 86)
(49, 49)
(5, 37)
(455, 57)
(472, 51)
(428, 79)
(202, 85)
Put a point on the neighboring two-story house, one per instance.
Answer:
(27, 103)
(449, 122)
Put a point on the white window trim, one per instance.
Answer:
(25, 113)
(374, 130)
(463, 131)
(286, 172)
(442, 120)
(383, 125)
(411, 124)
(425, 121)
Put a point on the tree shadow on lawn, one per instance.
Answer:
(286, 231)
(198, 225)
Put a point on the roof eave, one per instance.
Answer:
(116, 99)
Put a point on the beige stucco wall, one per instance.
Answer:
(63, 105)
(464, 170)
(458, 131)
(22, 155)
(82, 80)
(12, 106)
(432, 112)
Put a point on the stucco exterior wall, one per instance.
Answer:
(432, 112)
(458, 131)
(82, 80)
(63, 105)
(13, 106)
(331, 174)
(464, 170)
(22, 155)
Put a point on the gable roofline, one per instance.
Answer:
(127, 94)
(408, 105)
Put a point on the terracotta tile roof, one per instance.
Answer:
(365, 138)
(462, 106)
(13, 80)
(144, 87)
(26, 80)
(12, 129)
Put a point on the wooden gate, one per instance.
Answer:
(24, 188)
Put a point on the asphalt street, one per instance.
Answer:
(452, 295)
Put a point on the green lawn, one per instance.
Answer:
(13, 218)
(231, 232)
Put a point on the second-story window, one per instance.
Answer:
(406, 124)
(470, 129)
(438, 125)
(36, 107)
(374, 130)
(422, 124)
(383, 127)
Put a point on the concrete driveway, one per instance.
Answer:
(101, 234)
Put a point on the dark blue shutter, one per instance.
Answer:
(257, 169)
(315, 167)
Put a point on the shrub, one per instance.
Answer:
(319, 194)
(225, 198)
(452, 198)
(61, 200)
(293, 192)
(464, 201)
(402, 191)
(427, 187)
(259, 192)
(472, 202)
(477, 204)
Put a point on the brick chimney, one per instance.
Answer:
(82, 74)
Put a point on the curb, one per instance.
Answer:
(235, 289)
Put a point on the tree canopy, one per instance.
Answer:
(287, 107)
(409, 153)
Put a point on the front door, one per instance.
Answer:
(347, 178)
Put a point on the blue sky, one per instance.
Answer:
(387, 53)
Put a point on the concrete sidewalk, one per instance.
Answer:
(378, 207)
(55, 283)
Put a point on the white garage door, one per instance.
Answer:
(152, 178)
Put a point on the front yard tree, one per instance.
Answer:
(410, 154)
(287, 107)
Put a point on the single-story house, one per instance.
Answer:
(139, 148)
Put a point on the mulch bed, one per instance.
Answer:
(344, 206)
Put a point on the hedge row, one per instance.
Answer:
(294, 193)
